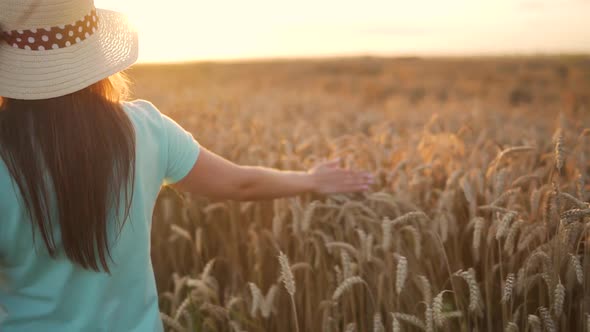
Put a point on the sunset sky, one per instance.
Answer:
(182, 30)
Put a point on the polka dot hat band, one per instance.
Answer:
(53, 37)
(51, 48)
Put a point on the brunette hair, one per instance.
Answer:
(73, 160)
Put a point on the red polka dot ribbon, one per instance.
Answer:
(42, 39)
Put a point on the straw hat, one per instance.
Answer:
(50, 48)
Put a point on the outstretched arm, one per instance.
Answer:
(217, 178)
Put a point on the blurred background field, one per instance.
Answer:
(478, 220)
(388, 84)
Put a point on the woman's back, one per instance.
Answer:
(45, 294)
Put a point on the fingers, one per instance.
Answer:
(352, 177)
(332, 163)
(361, 177)
(339, 180)
(358, 182)
(356, 188)
(349, 177)
(362, 181)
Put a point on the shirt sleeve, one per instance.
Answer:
(183, 150)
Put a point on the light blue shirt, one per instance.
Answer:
(46, 294)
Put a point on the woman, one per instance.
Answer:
(80, 171)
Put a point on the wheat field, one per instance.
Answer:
(478, 220)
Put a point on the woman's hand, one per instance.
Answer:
(329, 178)
(219, 179)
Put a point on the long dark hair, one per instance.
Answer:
(80, 149)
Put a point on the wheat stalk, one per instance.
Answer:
(416, 238)
(343, 245)
(350, 327)
(289, 283)
(538, 256)
(308, 215)
(511, 327)
(426, 288)
(429, 319)
(452, 314)
(346, 265)
(172, 323)
(547, 320)
(478, 224)
(411, 319)
(505, 196)
(366, 244)
(409, 217)
(219, 312)
(260, 302)
(511, 237)
(346, 285)
(504, 224)
(207, 269)
(386, 231)
(558, 298)
(577, 267)
(502, 155)
(499, 184)
(395, 326)
(580, 186)
(559, 149)
(402, 273)
(534, 323)
(535, 201)
(377, 323)
(437, 307)
(508, 287)
(574, 215)
(475, 302)
(182, 308)
(179, 231)
(523, 180)
(539, 230)
(578, 203)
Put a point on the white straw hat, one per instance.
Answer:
(51, 48)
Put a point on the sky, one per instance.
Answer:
(186, 30)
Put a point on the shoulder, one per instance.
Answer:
(140, 106)
(142, 112)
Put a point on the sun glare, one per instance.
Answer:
(184, 30)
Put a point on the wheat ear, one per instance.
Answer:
(508, 287)
(171, 322)
(346, 285)
(547, 320)
(289, 282)
(558, 298)
(402, 273)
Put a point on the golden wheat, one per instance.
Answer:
(459, 186)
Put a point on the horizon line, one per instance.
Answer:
(551, 54)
